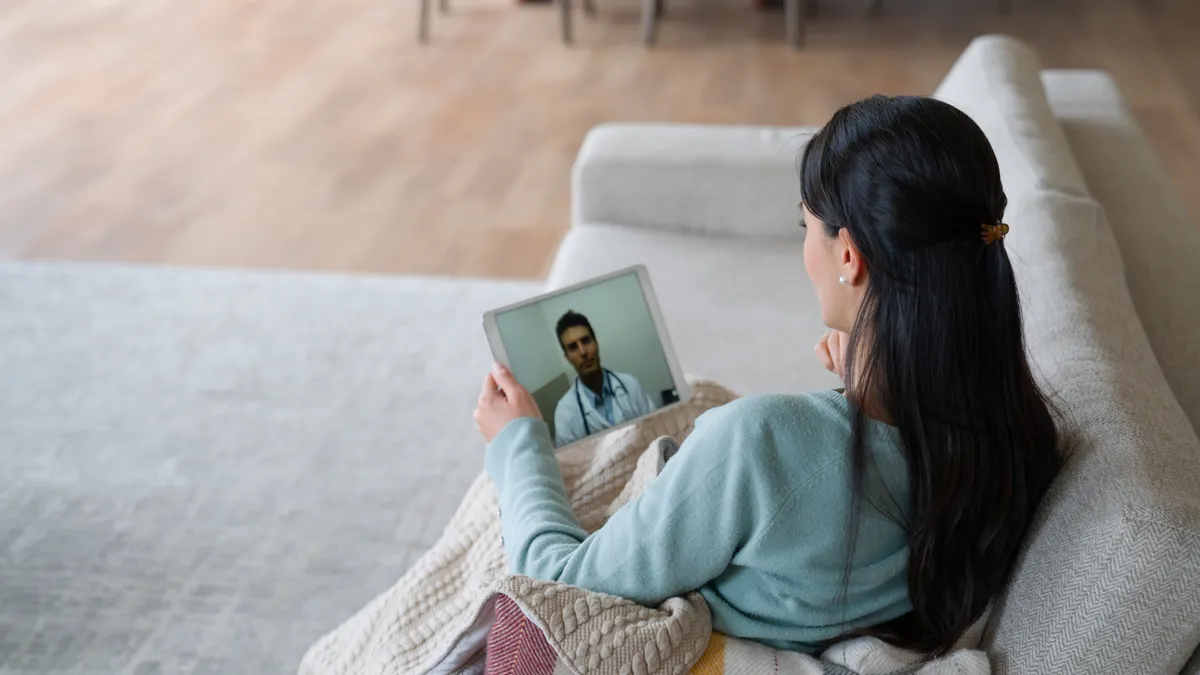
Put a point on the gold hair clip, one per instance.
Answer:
(994, 233)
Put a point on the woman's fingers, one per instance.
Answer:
(839, 353)
(835, 351)
(503, 400)
(504, 378)
(822, 350)
(489, 388)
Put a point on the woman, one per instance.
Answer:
(895, 509)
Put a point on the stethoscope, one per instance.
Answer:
(587, 428)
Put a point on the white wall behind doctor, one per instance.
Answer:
(624, 330)
(534, 356)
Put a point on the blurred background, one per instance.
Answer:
(324, 135)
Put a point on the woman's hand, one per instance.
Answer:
(502, 400)
(831, 350)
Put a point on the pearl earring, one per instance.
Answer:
(844, 281)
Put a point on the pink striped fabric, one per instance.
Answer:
(516, 646)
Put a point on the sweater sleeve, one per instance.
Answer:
(681, 533)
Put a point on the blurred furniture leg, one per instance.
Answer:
(874, 6)
(445, 6)
(589, 7)
(564, 10)
(650, 12)
(794, 23)
(423, 22)
(660, 8)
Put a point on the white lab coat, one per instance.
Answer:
(629, 402)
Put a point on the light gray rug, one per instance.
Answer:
(202, 471)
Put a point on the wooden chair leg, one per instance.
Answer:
(589, 7)
(649, 22)
(660, 8)
(564, 10)
(794, 23)
(423, 22)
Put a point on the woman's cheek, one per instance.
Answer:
(811, 259)
(814, 265)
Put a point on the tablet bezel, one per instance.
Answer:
(500, 354)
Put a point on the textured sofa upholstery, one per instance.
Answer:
(1109, 578)
(206, 470)
(1159, 242)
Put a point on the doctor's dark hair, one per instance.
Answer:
(569, 320)
(913, 181)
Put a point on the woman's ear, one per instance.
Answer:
(854, 267)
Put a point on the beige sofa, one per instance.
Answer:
(1109, 266)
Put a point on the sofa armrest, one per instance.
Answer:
(723, 180)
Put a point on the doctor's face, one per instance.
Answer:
(581, 349)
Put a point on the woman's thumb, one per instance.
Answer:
(504, 377)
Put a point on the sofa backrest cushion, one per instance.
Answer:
(1109, 580)
(1158, 237)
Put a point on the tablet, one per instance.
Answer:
(595, 355)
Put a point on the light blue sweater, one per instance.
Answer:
(752, 511)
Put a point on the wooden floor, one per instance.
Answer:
(318, 134)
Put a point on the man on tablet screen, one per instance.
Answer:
(598, 398)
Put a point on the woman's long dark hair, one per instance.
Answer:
(913, 181)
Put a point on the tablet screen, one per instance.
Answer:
(590, 355)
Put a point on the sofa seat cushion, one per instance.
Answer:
(239, 458)
(739, 310)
